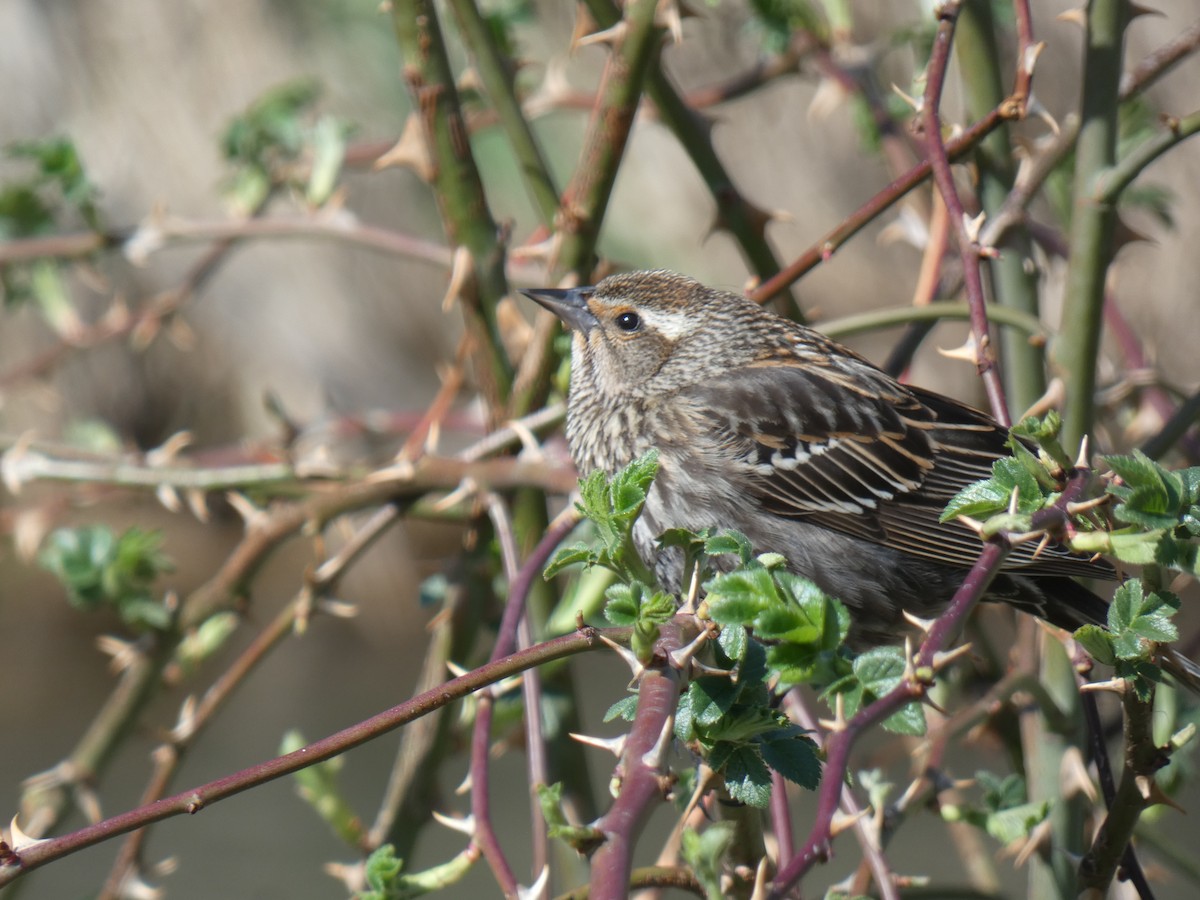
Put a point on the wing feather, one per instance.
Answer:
(833, 440)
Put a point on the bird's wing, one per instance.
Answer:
(835, 441)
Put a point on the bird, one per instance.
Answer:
(768, 427)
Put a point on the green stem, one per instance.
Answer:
(1093, 219)
(466, 217)
(586, 198)
(496, 74)
(1124, 172)
(877, 319)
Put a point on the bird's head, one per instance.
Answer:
(654, 332)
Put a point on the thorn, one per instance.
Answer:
(1117, 686)
(463, 492)
(463, 824)
(615, 746)
(464, 786)
(1075, 509)
(626, 654)
(1136, 9)
(1038, 837)
(197, 501)
(1035, 106)
(1074, 776)
(705, 669)
(168, 451)
(1153, 795)
(1012, 501)
(943, 659)
(1077, 16)
(1084, 460)
(1042, 545)
(253, 518)
(537, 890)
(827, 99)
(669, 16)
(461, 271)
(1030, 57)
(844, 822)
(916, 103)
(656, 757)
(611, 36)
(973, 226)
(681, 657)
(838, 722)
(760, 881)
(411, 151)
(974, 524)
(185, 723)
(968, 352)
(910, 670)
(20, 840)
(455, 669)
(693, 594)
(168, 497)
(921, 624)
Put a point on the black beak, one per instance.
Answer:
(570, 306)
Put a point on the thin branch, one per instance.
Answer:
(22, 860)
(968, 248)
(1092, 221)
(824, 249)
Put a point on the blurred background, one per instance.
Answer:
(330, 330)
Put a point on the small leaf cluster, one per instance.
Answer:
(613, 506)
(34, 205)
(876, 673)
(1161, 512)
(386, 879)
(99, 570)
(731, 722)
(1137, 622)
(1005, 813)
(264, 144)
(802, 628)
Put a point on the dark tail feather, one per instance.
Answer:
(1069, 605)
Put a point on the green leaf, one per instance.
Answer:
(793, 755)
(747, 777)
(570, 556)
(711, 698)
(733, 640)
(624, 600)
(1151, 496)
(625, 708)
(985, 498)
(704, 852)
(737, 597)
(1097, 642)
(730, 543)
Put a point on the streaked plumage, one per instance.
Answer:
(771, 428)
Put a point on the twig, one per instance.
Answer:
(944, 177)
(25, 859)
(824, 249)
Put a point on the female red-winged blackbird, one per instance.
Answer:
(770, 428)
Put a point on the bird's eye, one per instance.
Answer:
(629, 321)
